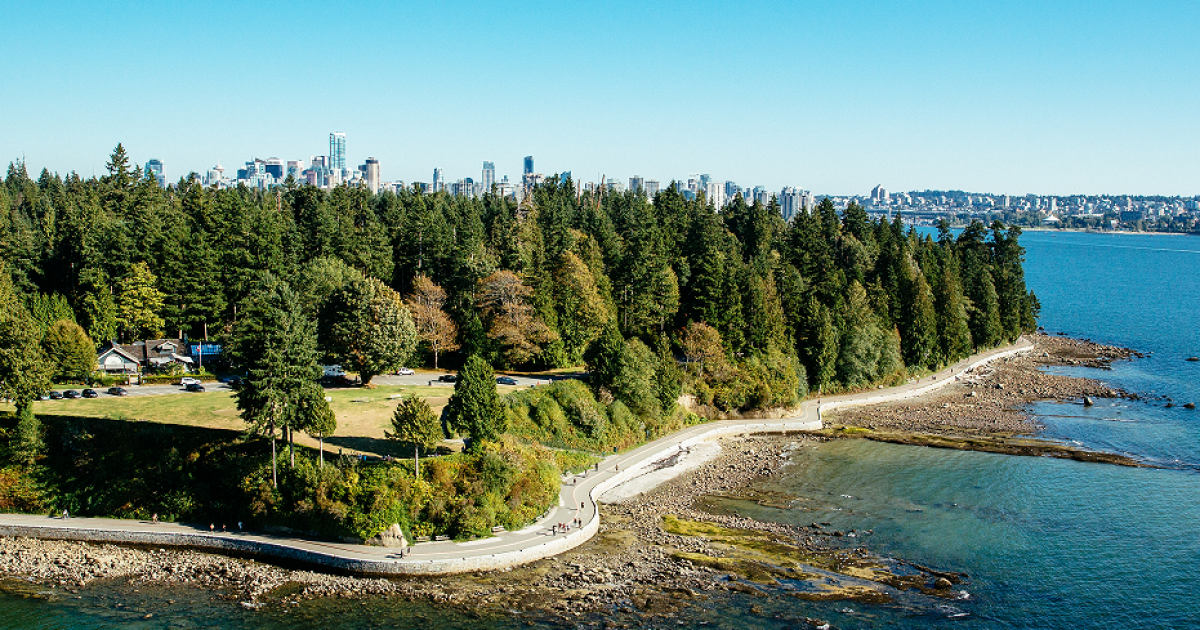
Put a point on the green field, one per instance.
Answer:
(362, 414)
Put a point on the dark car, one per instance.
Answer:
(117, 391)
(234, 382)
(194, 387)
(447, 378)
(70, 393)
(56, 396)
(506, 380)
(90, 393)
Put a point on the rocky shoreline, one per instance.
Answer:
(658, 552)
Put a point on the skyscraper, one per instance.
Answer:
(438, 182)
(371, 174)
(528, 165)
(651, 188)
(636, 183)
(275, 168)
(489, 176)
(337, 152)
(791, 202)
(155, 166)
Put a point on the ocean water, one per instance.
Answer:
(1046, 543)
(1050, 543)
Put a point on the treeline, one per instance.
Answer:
(836, 297)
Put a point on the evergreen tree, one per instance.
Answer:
(603, 357)
(954, 335)
(24, 372)
(274, 340)
(986, 331)
(414, 423)
(919, 321)
(474, 409)
(316, 418)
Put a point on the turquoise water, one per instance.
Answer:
(1051, 543)
(1047, 543)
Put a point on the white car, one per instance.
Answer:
(405, 372)
(187, 380)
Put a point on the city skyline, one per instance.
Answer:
(1035, 98)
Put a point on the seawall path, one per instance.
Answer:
(577, 500)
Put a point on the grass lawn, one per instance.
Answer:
(362, 414)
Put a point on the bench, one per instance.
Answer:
(497, 529)
(440, 538)
(422, 539)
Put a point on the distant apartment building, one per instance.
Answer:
(155, 168)
(792, 202)
(489, 176)
(370, 172)
(651, 188)
(528, 166)
(439, 183)
(637, 184)
(274, 166)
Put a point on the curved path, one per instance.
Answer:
(577, 501)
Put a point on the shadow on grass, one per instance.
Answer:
(369, 445)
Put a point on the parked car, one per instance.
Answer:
(405, 372)
(506, 380)
(447, 378)
(194, 387)
(234, 382)
(90, 393)
(333, 371)
(117, 391)
(71, 393)
(188, 380)
(337, 381)
(56, 396)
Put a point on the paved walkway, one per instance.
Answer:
(577, 500)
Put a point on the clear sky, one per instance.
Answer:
(1045, 97)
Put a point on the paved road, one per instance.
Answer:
(420, 378)
(540, 540)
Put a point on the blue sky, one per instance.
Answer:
(835, 97)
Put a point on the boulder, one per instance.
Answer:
(942, 583)
(1193, 358)
(1189, 405)
(390, 537)
(1088, 402)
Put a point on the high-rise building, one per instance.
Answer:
(295, 168)
(371, 174)
(216, 176)
(155, 166)
(438, 183)
(791, 202)
(528, 165)
(714, 193)
(636, 183)
(489, 176)
(274, 166)
(651, 188)
(760, 195)
(732, 190)
(337, 152)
